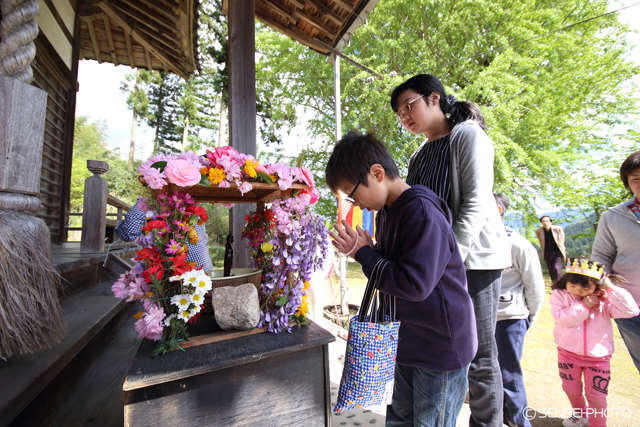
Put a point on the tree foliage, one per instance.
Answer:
(555, 86)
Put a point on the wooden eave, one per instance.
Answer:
(152, 34)
(314, 23)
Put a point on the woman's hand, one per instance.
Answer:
(349, 241)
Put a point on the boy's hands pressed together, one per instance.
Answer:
(349, 241)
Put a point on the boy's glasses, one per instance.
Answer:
(406, 108)
(349, 198)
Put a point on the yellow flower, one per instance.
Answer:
(193, 236)
(273, 178)
(216, 175)
(204, 171)
(266, 247)
(138, 315)
(250, 167)
(304, 307)
(306, 284)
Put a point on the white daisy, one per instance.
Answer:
(167, 320)
(190, 277)
(197, 299)
(181, 301)
(203, 284)
(185, 315)
(175, 278)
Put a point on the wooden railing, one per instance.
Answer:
(94, 211)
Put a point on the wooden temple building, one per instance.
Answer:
(80, 380)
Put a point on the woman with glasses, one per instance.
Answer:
(456, 162)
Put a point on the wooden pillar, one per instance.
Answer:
(242, 106)
(94, 210)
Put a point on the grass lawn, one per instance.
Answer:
(539, 362)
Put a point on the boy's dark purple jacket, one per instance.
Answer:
(427, 276)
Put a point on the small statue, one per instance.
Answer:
(228, 256)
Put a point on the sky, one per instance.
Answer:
(99, 96)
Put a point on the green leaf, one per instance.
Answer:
(204, 181)
(264, 177)
(282, 301)
(159, 165)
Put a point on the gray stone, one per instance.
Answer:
(236, 307)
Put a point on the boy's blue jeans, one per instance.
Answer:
(510, 339)
(426, 398)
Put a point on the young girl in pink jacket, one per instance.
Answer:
(583, 303)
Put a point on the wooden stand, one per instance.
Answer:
(263, 379)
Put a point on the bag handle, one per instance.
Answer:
(371, 291)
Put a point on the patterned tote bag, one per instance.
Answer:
(370, 359)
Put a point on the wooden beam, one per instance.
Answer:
(344, 4)
(314, 23)
(127, 40)
(286, 14)
(135, 11)
(294, 32)
(296, 3)
(328, 13)
(94, 41)
(143, 40)
(107, 29)
(59, 20)
(148, 56)
(168, 44)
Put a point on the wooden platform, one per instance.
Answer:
(261, 379)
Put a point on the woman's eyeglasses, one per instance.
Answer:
(406, 108)
(349, 198)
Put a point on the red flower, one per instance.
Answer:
(159, 223)
(179, 264)
(154, 270)
(200, 211)
(148, 254)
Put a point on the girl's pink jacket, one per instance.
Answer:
(588, 332)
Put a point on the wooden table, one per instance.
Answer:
(261, 380)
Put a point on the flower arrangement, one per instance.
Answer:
(221, 167)
(170, 288)
(289, 242)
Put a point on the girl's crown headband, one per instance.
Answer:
(573, 266)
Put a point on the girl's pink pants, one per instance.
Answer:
(597, 373)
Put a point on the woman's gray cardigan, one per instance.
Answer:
(481, 237)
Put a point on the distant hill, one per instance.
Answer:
(579, 238)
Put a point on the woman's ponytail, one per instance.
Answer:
(460, 111)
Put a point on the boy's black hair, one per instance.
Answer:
(426, 84)
(352, 158)
(585, 281)
(546, 216)
(630, 164)
(503, 201)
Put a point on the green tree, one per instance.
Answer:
(555, 86)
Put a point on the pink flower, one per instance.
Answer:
(192, 158)
(306, 176)
(138, 288)
(144, 168)
(120, 289)
(227, 205)
(150, 324)
(143, 204)
(275, 169)
(314, 195)
(219, 152)
(285, 179)
(155, 179)
(182, 173)
(173, 247)
(260, 168)
(231, 168)
(244, 187)
(224, 184)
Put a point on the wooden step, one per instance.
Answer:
(86, 313)
(96, 397)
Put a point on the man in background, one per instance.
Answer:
(521, 296)
(551, 238)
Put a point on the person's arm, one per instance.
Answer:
(604, 248)
(567, 314)
(561, 235)
(426, 251)
(475, 170)
(525, 260)
(619, 303)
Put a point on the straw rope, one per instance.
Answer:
(17, 30)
